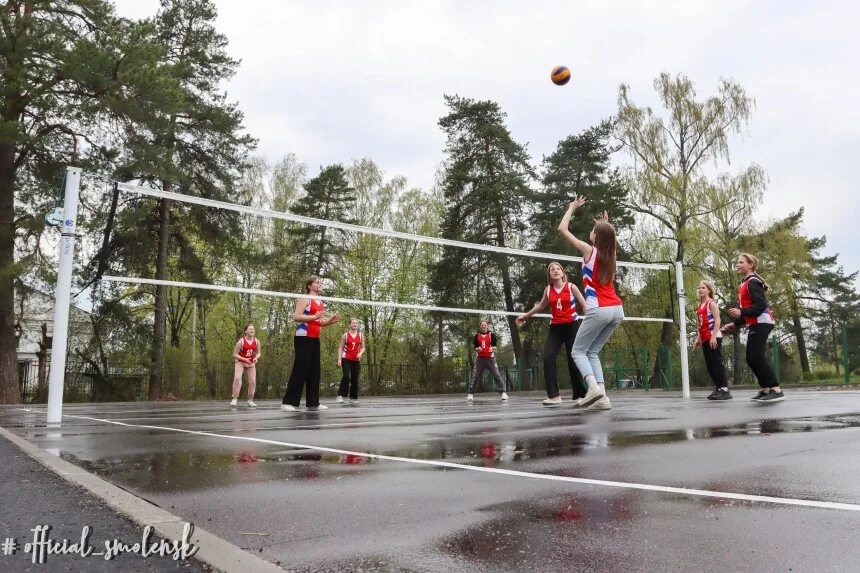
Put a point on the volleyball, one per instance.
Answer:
(560, 75)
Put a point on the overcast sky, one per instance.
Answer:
(337, 80)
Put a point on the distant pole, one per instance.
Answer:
(63, 297)
(845, 354)
(194, 333)
(774, 345)
(682, 323)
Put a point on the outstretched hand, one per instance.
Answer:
(577, 202)
(520, 319)
(604, 217)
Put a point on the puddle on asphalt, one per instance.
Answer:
(180, 470)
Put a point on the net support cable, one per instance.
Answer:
(247, 210)
(333, 299)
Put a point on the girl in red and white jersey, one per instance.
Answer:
(563, 299)
(754, 313)
(605, 312)
(310, 316)
(349, 353)
(245, 353)
(710, 339)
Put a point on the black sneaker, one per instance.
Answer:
(722, 395)
(713, 395)
(773, 397)
(759, 396)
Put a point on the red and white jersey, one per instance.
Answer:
(351, 346)
(746, 301)
(484, 344)
(706, 321)
(249, 349)
(562, 304)
(596, 295)
(310, 329)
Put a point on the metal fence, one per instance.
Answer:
(624, 368)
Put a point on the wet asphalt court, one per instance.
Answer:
(438, 484)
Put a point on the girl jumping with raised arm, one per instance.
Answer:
(605, 312)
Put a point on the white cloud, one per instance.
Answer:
(336, 80)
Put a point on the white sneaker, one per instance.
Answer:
(593, 395)
(339, 399)
(234, 402)
(252, 404)
(578, 402)
(320, 407)
(353, 402)
(289, 408)
(504, 396)
(552, 401)
(601, 404)
(469, 397)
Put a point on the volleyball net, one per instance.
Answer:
(418, 297)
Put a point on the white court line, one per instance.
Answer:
(524, 413)
(515, 473)
(169, 411)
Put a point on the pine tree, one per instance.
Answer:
(485, 184)
(327, 196)
(65, 69)
(193, 143)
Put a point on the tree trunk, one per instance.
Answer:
(42, 377)
(835, 341)
(321, 253)
(509, 303)
(798, 335)
(441, 340)
(208, 374)
(156, 372)
(389, 330)
(10, 392)
(667, 338)
(736, 358)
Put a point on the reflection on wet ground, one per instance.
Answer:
(339, 511)
(171, 470)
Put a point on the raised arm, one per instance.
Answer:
(536, 308)
(564, 228)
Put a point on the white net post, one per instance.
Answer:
(682, 326)
(63, 297)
